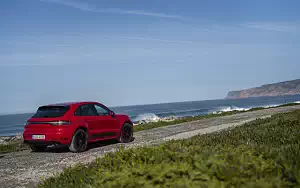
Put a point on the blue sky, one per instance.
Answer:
(141, 52)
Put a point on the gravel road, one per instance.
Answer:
(25, 169)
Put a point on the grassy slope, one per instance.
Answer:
(262, 153)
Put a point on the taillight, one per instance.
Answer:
(26, 124)
(58, 123)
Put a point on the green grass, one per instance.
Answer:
(262, 153)
(12, 147)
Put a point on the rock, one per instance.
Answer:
(2, 141)
(19, 136)
(276, 89)
(170, 118)
(7, 139)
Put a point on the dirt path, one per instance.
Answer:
(25, 169)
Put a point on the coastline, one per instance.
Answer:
(13, 124)
(160, 122)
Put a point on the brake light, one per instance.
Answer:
(58, 123)
(55, 123)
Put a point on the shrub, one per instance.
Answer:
(262, 153)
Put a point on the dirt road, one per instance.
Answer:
(25, 169)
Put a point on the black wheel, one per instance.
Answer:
(37, 148)
(79, 141)
(126, 133)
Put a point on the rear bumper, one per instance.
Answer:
(41, 142)
(54, 135)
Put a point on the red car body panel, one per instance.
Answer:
(101, 127)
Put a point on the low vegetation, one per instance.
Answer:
(262, 153)
(13, 146)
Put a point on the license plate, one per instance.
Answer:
(38, 137)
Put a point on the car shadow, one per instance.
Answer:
(65, 149)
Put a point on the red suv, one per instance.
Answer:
(75, 124)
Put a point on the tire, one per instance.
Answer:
(37, 148)
(126, 134)
(79, 141)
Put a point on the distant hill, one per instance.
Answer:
(277, 89)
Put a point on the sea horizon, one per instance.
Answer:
(11, 124)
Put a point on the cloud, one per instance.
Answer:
(273, 26)
(160, 40)
(55, 58)
(89, 8)
(37, 59)
(35, 64)
(73, 4)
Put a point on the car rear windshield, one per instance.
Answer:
(50, 111)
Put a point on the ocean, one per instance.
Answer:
(14, 123)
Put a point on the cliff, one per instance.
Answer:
(277, 89)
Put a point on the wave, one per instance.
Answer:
(171, 115)
(230, 109)
(276, 105)
(164, 115)
(146, 117)
(270, 106)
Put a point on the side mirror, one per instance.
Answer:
(112, 113)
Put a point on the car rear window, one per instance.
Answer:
(50, 111)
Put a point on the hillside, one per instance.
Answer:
(276, 89)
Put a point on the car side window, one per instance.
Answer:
(101, 110)
(78, 111)
(86, 110)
